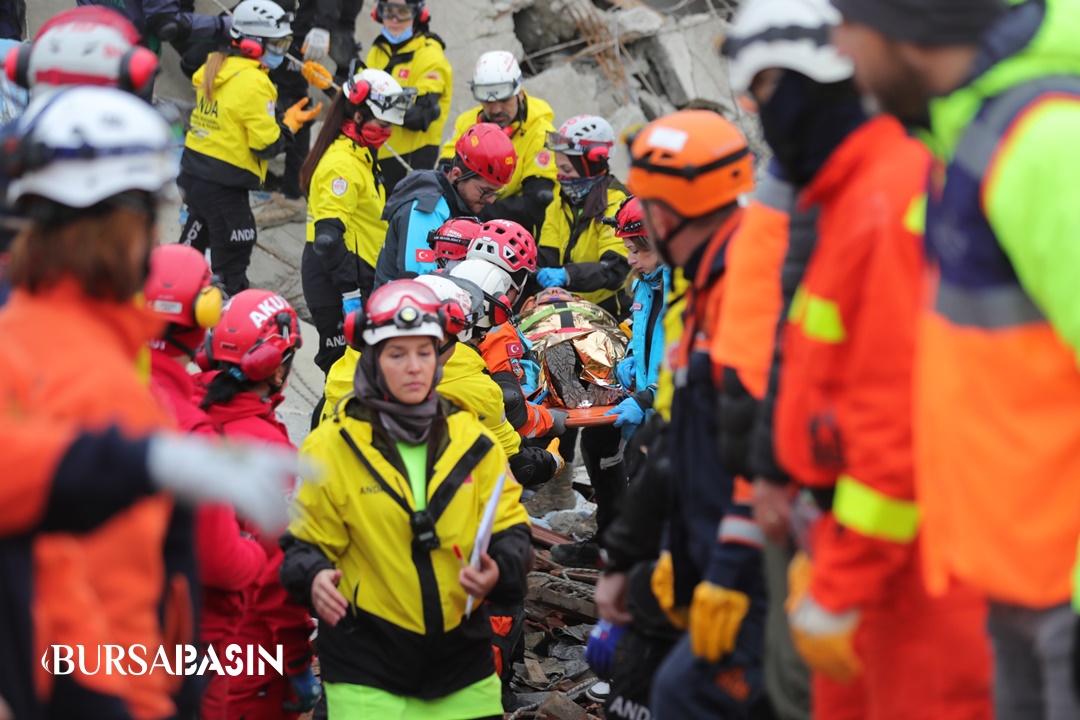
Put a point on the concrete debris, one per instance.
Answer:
(558, 707)
(686, 64)
(637, 22)
(544, 24)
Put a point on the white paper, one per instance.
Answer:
(483, 533)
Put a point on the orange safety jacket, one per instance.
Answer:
(843, 419)
(502, 350)
(103, 587)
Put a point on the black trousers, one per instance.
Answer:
(602, 454)
(329, 322)
(219, 218)
(292, 87)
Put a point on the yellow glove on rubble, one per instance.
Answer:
(716, 614)
(316, 74)
(824, 639)
(296, 117)
(663, 587)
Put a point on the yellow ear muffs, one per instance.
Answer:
(208, 305)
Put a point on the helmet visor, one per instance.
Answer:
(278, 46)
(396, 101)
(401, 13)
(494, 93)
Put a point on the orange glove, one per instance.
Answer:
(823, 638)
(553, 449)
(663, 587)
(316, 74)
(296, 117)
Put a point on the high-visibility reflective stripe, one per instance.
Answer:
(874, 514)
(915, 217)
(989, 308)
(1076, 580)
(741, 530)
(819, 317)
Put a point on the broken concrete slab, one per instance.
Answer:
(637, 22)
(686, 64)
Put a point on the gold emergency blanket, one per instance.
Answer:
(578, 346)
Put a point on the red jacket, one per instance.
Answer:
(843, 416)
(228, 561)
(271, 613)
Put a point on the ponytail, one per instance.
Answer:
(340, 110)
(210, 72)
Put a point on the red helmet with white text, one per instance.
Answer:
(451, 241)
(258, 333)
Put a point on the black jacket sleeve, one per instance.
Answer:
(423, 112)
(283, 143)
(302, 562)
(527, 208)
(607, 274)
(511, 550)
(337, 260)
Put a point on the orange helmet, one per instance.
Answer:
(695, 161)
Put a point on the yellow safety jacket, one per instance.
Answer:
(673, 332)
(578, 239)
(231, 128)
(528, 137)
(420, 63)
(405, 630)
(465, 383)
(343, 186)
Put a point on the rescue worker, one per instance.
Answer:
(651, 283)
(577, 250)
(496, 85)
(345, 229)
(996, 347)
(250, 353)
(83, 256)
(709, 578)
(328, 28)
(372, 548)
(843, 414)
(451, 241)
(416, 58)
(234, 132)
(483, 164)
(161, 21)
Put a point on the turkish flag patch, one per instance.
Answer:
(403, 73)
(635, 307)
(425, 255)
(515, 349)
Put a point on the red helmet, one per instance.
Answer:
(508, 245)
(451, 241)
(629, 220)
(179, 288)
(401, 308)
(259, 331)
(485, 149)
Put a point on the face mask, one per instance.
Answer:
(395, 39)
(375, 136)
(272, 60)
(576, 189)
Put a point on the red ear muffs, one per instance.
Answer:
(452, 318)
(501, 312)
(17, 65)
(375, 14)
(138, 67)
(425, 16)
(261, 361)
(354, 328)
(359, 92)
(249, 48)
(597, 153)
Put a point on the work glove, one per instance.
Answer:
(663, 587)
(316, 45)
(628, 412)
(625, 372)
(600, 650)
(253, 478)
(823, 638)
(553, 450)
(350, 302)
(716, 614)
(307, 689)
(316, 74)
(296, 116)
(551, 277)
(558, 421)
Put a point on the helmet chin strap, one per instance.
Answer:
(662, 245)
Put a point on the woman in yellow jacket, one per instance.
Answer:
(577, 251)
(345, 229)
(234, 132)
(416, 58)
(406, 480)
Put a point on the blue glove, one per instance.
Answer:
(351, 302)
(625, 372)
(600, 651)
(551, 277)
(629, 412)
(307, 689)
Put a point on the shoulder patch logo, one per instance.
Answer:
(425, 255)
(515, 349)
(403, 73)
(270, 108)
(543, 158)
(339, 186)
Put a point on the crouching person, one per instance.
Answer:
(406, 480)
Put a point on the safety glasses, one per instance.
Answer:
(400, 13)
(278, 46)
(400, 101)
(494, 93)
(557, 142)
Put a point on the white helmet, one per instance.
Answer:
(497, 76)
(581, 134)
(261, 19)
(788, 34)
(494, 283)
(468, 297)
(382, 93)
(81, 145)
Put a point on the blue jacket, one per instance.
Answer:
(647, 360)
